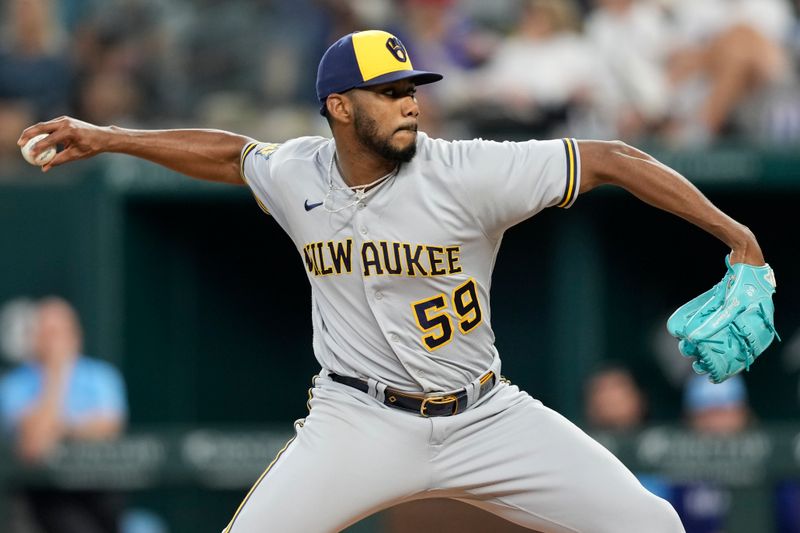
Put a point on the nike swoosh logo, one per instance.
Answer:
(309, 206)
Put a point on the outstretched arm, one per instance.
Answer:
(616, 163)
(204, 154)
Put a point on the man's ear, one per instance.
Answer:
(340, 108)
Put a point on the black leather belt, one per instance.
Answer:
(444, 405)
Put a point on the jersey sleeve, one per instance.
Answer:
(510, 181)
(257, 171)
(15, 398)
(110, 398)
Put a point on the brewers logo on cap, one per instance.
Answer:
(366, 58)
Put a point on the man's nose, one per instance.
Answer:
(410, 107)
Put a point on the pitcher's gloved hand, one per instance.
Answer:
(731, 324)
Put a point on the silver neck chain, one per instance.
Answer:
(361, 191)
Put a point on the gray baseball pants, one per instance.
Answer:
(508, 454)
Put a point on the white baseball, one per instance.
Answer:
(44, 157)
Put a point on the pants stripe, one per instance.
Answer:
(298, 424)
(258, 481)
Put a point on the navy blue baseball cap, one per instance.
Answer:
(364, 59)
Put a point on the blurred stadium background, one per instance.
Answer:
(201, 302)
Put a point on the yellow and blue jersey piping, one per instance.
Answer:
(245, 152)
(572, 176)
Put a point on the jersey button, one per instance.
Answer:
(363, 230)
(394, 338)
(361, 205)
(379, 296)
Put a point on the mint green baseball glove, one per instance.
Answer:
(731, 324)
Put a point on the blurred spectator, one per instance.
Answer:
(613, 400)
(15, 116)
(127, 56)
(719, 409)
(727, 54)
(537, 74)
(714, 410)
(632, 38)
(33, 64)
(346, 16)
(212, 67)
(109, 98)
(35, 71)
(63, 395)
(681, 68)
(444, 37)
(140, 520)
(447, 41)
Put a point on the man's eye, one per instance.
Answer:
(394, 93)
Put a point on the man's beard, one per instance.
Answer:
(367, 133)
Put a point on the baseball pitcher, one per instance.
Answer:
(398, 234)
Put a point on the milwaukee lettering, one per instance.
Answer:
(382, 258)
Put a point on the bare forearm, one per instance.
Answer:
(42, 428)
(96, 428)
(664, 188)
(205, 154)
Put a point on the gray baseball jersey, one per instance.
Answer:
(400, 279)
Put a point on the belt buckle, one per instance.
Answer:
(438, 400)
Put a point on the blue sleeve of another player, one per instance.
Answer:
(511, 181)
(111, 396)
(16, 395)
